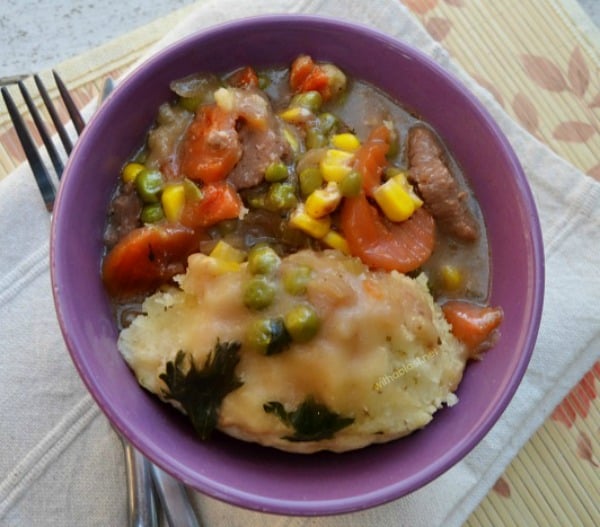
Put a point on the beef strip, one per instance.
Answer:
(437, 186)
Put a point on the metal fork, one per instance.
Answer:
(40, 171)
(142, 510)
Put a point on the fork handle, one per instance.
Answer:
(140, 498)
(175, 501)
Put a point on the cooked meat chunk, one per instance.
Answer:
(163, 140)
(437, 186)
(258, 132)
(123, 216)
(260, 148)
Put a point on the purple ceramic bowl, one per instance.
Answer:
(249, 475)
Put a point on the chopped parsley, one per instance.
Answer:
(200, 391)
(311, 421)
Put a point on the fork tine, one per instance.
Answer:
(40, 172)
(60, 128)
(39, 123)
(69, 103)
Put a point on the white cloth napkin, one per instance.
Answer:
(61, 463)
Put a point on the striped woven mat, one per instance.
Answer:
(555, 479)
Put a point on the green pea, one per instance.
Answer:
(262, 260)
(281, 196)
(227, 227)
(310, 179)
(268, 335)
(149, 184)
(311, 100)
(351, 184)
(295, 279)
(302, 323)
(152, 213)
(394, 148)
(255, 200)
(259, 293)
(327, 122)
(315, 138)
(191, 103)
(263, 82)
(276, 171)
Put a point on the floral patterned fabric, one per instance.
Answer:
(555, 95)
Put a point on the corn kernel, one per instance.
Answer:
(394, 201)
(292, 139)
(296, 114)
(224, 99)
(451, 276)
(347, 142)
(173, 200)
(216, 266)
(335, 240)
(317, 228)
(227, 253)
(401, 178)
(396, 198)
(336, 164)
(323, 201)
(130, 171)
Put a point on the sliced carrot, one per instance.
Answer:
(244, 78)
(317, 80)
(146, 258)
(211, 147)
(382, 244)
(300, 70)
(472, 324)
(306, 75)
(370, 160)
(219, 202)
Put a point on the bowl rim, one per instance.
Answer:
(387, 492)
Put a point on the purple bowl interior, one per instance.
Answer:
(249, 475)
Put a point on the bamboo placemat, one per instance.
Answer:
(543, 70)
